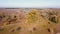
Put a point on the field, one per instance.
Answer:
(29, 20)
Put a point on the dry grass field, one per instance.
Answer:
(29, 21)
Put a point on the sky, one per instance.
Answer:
(30, 3)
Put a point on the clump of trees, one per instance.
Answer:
(31, 16)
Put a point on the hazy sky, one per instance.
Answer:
(30, 3)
